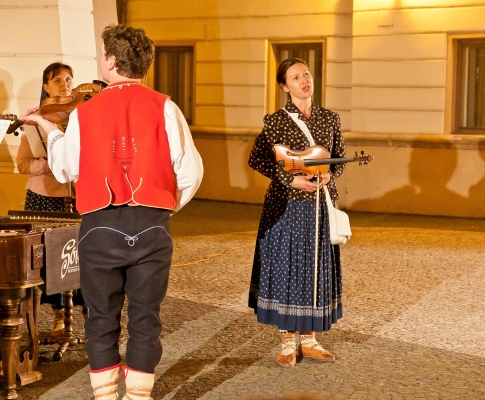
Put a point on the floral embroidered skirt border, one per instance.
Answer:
(282, 280)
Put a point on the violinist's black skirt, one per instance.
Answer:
(282, 281)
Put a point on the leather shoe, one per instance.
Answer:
(322, 355)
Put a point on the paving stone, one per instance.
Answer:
(413, 326)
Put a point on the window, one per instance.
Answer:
(312, 53)
(470, 86)
(174, 76)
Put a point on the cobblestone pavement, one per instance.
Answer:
(413, 326)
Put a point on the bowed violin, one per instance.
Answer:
(58, 108)
(313, 160)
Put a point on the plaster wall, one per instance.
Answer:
(387, 73)
(231, 49)
(402, 82)
(45, 32)
(231, 42)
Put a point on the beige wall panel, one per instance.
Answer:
(339, 49)
(468, 176)
(104, 13)
(240, 50)
(316, 26)
(399, 73)
(398, 98)
(210, 116)
(345, 119)
(8, 152)
(410, 181)
(339, 74)
(74, 44)
(338, 98)
(81, 4)
(232, 117)
(359, 184)
(429, 46)
(39, 38)
(230, 95)
(397, 121)
(85, 69)
(84, 4)
(231, 73)
(282, 7)
(138, 10)
(172, 30)
(12, 192)
(228, 176)
(21, 78)
(245, 117)
(15, 74)
(421, 20)
(362, 5)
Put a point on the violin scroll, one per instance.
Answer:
(16, 123)
(363, 159)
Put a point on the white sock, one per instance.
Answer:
(288, 343)
(309, 341)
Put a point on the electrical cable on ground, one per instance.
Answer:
(213, 255)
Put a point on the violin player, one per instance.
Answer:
(282, 280)
(44, 192)
(135, 162)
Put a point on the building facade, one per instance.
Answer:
(406, 76)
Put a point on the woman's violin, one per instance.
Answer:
(57, 109)
(312, 160)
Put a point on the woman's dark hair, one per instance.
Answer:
(54, 69)
(50, 72)
(133, 50)
(283, 68)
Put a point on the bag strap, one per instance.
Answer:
(328, 200)
(302, 126)
(306, 131)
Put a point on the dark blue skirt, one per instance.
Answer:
(282, 280)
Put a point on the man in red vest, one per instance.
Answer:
(131, 153)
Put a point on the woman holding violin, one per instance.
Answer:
(283, 285)
(44, 192)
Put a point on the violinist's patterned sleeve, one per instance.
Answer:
(262, 159)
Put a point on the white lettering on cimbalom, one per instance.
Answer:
(70, 258)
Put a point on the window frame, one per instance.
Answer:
(456, 94)
(273, 90)
(151, 75)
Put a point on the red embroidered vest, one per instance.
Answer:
(125, 154)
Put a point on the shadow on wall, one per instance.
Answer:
(6, 85)
(227, 176)
(476, 192)
(429, 172)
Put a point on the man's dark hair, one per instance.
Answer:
(133, 50)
